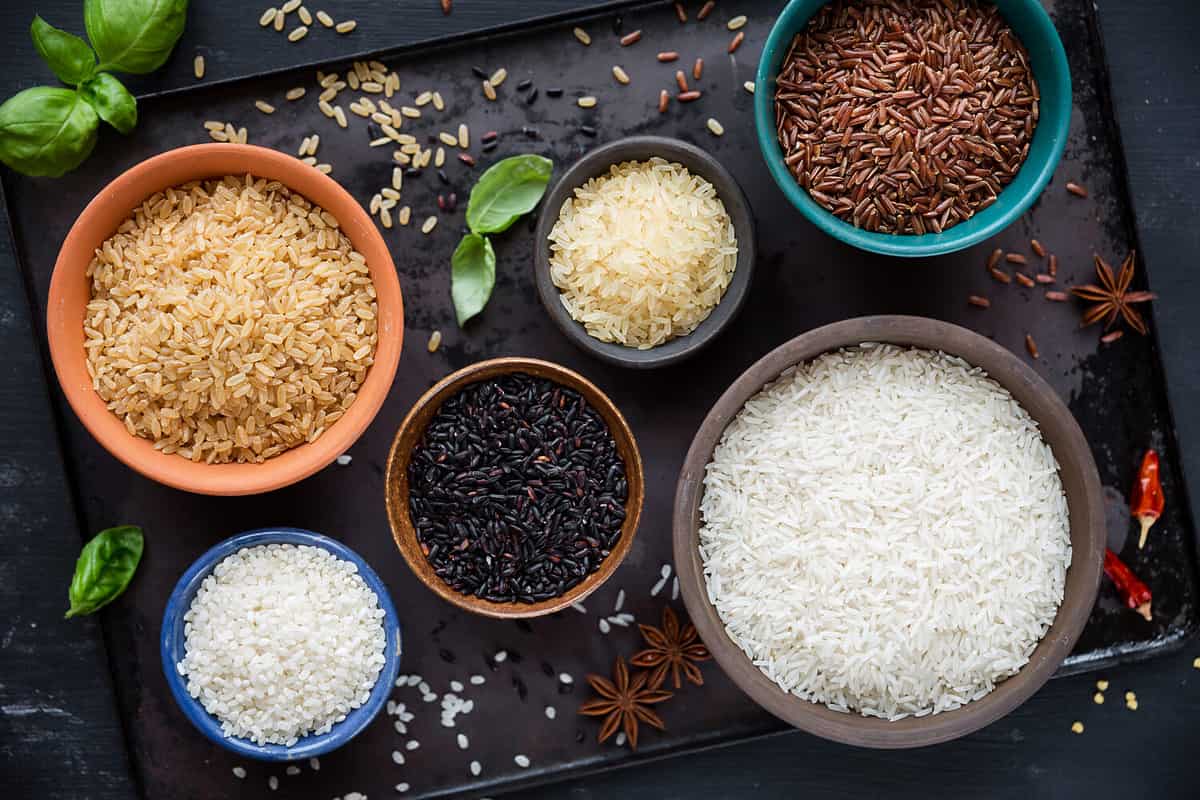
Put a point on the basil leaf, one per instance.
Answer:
(104, 569)
(472, 276)
(68, 55)
(508, 189)
(134, 35)
(46, 131)
(112, 101)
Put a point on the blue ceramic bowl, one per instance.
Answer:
(172, 648)
(1033, 27)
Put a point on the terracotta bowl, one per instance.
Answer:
(413, 428)
(1081, 483)
(70, 292)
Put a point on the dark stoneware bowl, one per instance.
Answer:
(1085, 503)
(596, 163)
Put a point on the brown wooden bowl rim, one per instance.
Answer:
(1076, 466)
(396, 482)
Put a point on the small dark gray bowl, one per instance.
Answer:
(698, 162)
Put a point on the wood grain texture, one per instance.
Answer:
(1155, 77)
(59, 731)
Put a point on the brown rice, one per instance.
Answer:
(230, 320)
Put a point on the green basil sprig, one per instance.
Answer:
(472, 275)
(134, 35)
(104, 569)
(503, 194)
(49, 131)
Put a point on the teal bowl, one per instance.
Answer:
(1034, 29)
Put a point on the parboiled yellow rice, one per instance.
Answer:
(642, 254)
(230, 320)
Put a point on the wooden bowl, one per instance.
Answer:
(70, 291)
(1081, 483)
(413, 428)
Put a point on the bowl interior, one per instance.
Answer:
(413, 428)
(1035, 30)
(597, 163)
(1081, 483)
(70, 292)
(172, 648)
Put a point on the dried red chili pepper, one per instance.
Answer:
(1135, 593)
(1147, 502)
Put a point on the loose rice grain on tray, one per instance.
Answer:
(230, 320)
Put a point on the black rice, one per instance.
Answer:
(516, 490)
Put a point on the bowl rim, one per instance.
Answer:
(171, 633)
(596, 162)
(1015, 376)
(396, 483)
(789, 21)
(62, 318)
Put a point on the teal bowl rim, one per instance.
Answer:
(1012, 202)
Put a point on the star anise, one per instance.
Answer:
(623, 702)
(1112, 297)
(673, 649)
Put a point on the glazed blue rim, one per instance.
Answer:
(1036, 31)
(172, 648)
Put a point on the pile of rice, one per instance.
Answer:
(885, 531)
(282, 641)
(643, 254)
(230, 320)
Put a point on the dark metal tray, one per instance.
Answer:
(804, 279)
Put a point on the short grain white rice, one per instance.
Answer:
(282, 641)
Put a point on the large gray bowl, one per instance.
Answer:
(596, 163)
(1085, 504)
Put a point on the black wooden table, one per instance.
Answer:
(60, 735)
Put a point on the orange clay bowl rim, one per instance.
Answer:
(413, 427)
(70, 292)
(1081, 484)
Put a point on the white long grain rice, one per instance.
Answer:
(282, 641)
(229, 320)
(885, 531)
(642, 254)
